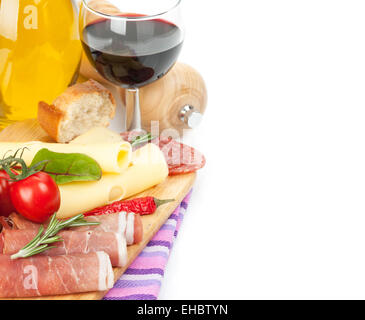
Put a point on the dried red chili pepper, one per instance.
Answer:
(142, 206)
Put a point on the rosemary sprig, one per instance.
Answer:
(42, 241)
(142, 139)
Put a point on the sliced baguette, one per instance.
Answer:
(76, 111)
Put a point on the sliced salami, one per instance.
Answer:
(180, 157)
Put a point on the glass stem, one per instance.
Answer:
(120, 111)
(132, 101)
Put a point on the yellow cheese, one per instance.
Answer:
(98, 135)
(139, 177)
(112, 157)
(148, 169)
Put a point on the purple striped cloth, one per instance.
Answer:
(142, 280)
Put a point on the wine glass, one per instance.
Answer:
(132, 43)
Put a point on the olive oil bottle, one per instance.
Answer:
(40, 53)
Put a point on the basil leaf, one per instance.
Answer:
(68, 167)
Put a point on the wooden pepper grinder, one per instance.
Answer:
(177, 101)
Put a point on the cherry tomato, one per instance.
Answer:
(36, 197)
(6, 206)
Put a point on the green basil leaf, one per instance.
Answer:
(68, 167)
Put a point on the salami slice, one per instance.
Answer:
(180, 157)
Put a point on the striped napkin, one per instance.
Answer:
(142, 280)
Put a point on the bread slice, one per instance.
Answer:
(76, 111)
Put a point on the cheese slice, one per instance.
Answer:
(112, 157)
(148, 169)
(139, 176)
(98, 135)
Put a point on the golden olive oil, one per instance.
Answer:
(40, 53)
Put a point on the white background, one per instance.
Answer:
(279, 210)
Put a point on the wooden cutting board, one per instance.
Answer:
(176, 187)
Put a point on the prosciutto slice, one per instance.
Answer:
(21, 223)
(112, 243)
(4, 223)
(46, 275)
(128, 224)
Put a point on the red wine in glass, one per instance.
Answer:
(131, 53)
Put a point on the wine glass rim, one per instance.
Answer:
(144, 17)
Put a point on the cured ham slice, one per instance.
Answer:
(19, 222)
(4, 224)
(114, 244)
(129, 224)
(45, 275)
